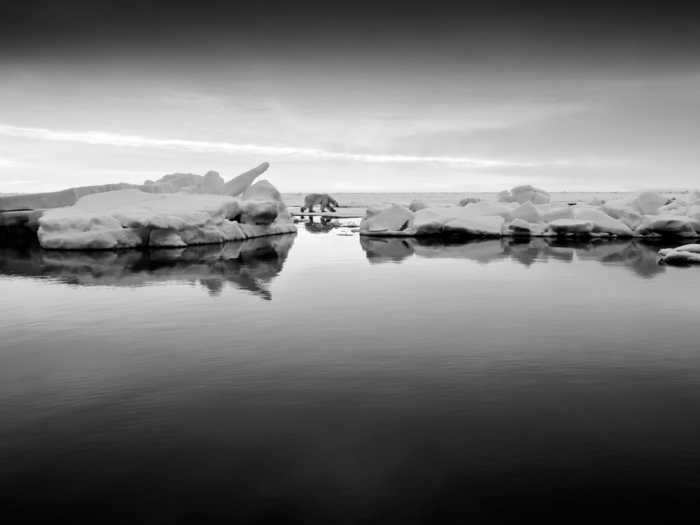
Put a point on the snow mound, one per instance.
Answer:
(417, 204)
(554, 212)
(602, 222)
(523, 228)
(469, 200)
(523, 194)
(393, 221)
(649, 202)
(527, 212)
(455, 220)
(133, 218)
(571, 226)
(686, 254)
(673, 225)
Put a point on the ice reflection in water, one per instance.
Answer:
(637, 256)
(249, 265)
(539, 374)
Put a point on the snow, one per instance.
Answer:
(469, 200)
(521, 227)
(416, 205)
(648, 203)
(686, 254)
(455, 220)
(571, 226)
(481, 226)
(601, 221)
(523, 194)
(132, 218)
(394, 220)
(429, 221)
(642, 215)
(623, 210)
(210, 183)
(527, 212)
(693, 211)
(484, 208)
(242, 182)
(667, 225)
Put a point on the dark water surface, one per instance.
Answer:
(329, 379)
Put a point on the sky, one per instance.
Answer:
(351, 97)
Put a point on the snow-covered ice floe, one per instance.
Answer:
(686, 254)
(132, 218)
(527, 211)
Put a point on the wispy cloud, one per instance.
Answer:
(199, 146)
(9, 163)
(18, 182)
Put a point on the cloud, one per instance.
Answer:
(9, 163)
(198, 146)
(18, 182)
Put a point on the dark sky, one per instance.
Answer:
(351, 95)
(496, 29)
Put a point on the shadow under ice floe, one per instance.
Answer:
(249, 265)
(640, 257)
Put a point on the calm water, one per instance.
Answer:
(328, 379)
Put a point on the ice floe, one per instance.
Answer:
(686, 254)
(527, 211)
(133, 218)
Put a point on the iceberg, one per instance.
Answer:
(133, 218)
(210, 183)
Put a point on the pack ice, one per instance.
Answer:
(528, 211)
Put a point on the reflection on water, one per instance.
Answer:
(328, 224)
(491, 380)
(324, 225)
(639, 257)
(249, 265)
